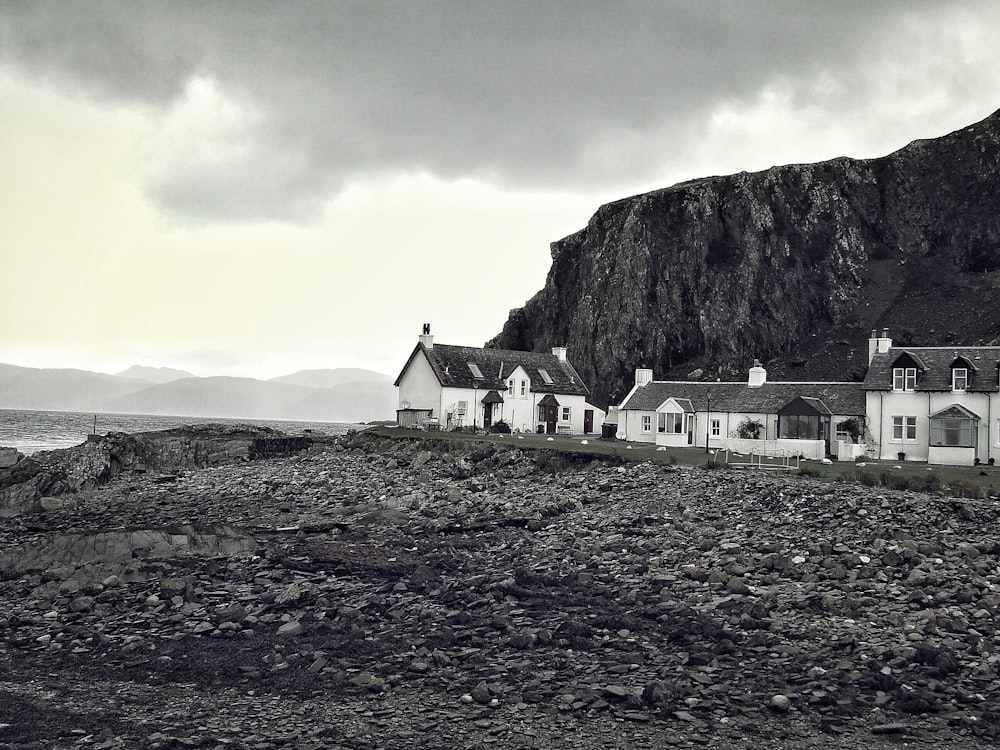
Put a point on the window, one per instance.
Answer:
(670, 422)
(904, 378)
(524, 388)
(904, 429)
(474, 369)
(462, 406)
(647, 423)
(546, 378)
(565, 413)
(541, 413)
(716, 428)
(953, 431)
(959, 379)
(510, 387)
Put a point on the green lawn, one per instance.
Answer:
(966, 481)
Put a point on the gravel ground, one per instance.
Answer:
(378, 593)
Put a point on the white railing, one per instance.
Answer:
(758, 458)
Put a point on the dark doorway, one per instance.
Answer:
(548, 412)
(588, 421)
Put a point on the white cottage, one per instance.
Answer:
(813, 419)
(458, 386)
(936, 404)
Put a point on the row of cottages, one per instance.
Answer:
(935, 404)
(813, 420)
(449, 386)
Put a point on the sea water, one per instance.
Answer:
(33, 431)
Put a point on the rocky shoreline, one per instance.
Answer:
(366, 592)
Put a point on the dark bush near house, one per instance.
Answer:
(500, 427)
(749, 429)
(867, 479)
(963, 488)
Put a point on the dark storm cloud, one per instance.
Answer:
(534, 94)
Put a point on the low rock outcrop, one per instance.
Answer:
(66, 472)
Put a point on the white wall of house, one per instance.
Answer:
(419, 387)
(883, 406)
(720, 430)
(518, 408)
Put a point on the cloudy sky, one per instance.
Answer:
(253, 188)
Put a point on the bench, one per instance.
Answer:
(564, 429)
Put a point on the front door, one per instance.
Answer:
(588, 421)
(551, 416)
(487, 416)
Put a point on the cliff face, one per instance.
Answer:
(794, 264)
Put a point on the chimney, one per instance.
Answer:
(425, 338)
(560, 352)
(878, 344)
(643, 376)
(758, 375)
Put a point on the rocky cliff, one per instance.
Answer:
(793, 265)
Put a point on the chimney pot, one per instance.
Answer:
(426, 338)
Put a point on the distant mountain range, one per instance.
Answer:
(334, 395)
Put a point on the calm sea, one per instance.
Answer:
(32, 431)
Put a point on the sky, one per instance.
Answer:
(255, 188)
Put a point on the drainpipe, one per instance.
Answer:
(881, 425)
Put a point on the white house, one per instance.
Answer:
(936, 404)
(812, 419)
(459, 386)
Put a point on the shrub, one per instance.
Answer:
(749, 429)
(867, 479)
(963, 488)
(500, 427)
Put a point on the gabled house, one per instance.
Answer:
(449, 386)
(812, 419)
(936, 404)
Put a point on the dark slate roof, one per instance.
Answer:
(451, 366)
(839, 398)
(936, 362)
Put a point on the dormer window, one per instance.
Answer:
(474, 369)
(904, 378)
(546, 378)
(959, 379)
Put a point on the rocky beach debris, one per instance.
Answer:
(366, 591)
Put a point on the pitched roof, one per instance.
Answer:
(936, 362)
(461, 366)
(839, 398)
(955, 411)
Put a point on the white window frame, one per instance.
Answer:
(670, 423)
(904, 378)
(524, 388)
(646, 420)
(959, 380)
(716, 427)
(463, 407)
(904, 429)
(510, 387)
(566, 413)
